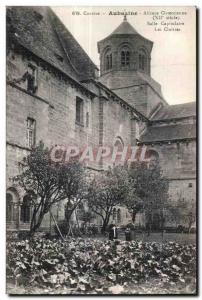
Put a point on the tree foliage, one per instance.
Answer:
(75, 185)
(149, 191)
(183, 212)
(49, 183)
(107, 190)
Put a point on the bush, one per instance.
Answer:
(11, 235)
(180, 229)
(170, 229)
(23, 235)
(193, 230)
(90, 265)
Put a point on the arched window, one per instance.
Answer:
(25, 209)
(119, 150)
(119, 144)
(9, 207)
(142, 60)
(119, 215)
(125, 57)
(108, 60)
(153, 158)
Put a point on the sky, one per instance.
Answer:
(174, 52)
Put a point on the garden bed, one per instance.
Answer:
(90, 266)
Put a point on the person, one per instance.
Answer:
(128, 234)
(113, 233)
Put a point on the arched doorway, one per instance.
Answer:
(9, 207)
(12, 208)
(156, 221)
(25, 212)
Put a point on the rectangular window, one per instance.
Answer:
(31, 132)
(87, 119)
(79, 110)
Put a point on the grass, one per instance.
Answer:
(182, 238)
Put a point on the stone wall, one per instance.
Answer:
(131, 87)
(178, 162)
(54, 109)
(110, 119)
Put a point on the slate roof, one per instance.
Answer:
(124, 28)
(169, 132)
(41, 32)
(176, 111)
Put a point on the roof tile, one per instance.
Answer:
(39, 30)
(176, 111)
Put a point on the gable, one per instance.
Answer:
(35, 28)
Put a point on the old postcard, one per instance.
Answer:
(101, 193)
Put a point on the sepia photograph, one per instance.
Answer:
(101, 150)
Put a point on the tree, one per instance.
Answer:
(149, 193)
(86, 217)
(134, 206)
(75, 185)
(49, 183)
(107, 190)
(184, 212)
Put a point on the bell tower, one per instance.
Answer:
(125, 66)
(124, 50)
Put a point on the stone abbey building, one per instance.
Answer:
(54, 94)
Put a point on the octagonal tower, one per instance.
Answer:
(125, 67)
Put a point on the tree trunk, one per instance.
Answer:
(105, 223)
(149, 223)
(68, 215)
(36, 224)
(134, 216)
(189, 226)
(37, 219)
(149, 229)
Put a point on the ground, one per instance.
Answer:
(150, 288)
(182, 238)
